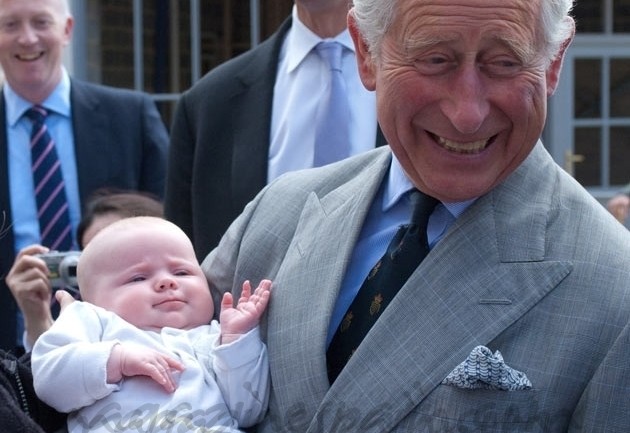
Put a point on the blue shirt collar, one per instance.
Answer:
(58, 101)
(398, 184)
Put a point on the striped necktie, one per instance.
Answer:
(50, 193)
(332, 140)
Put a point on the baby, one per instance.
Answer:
(140, 353)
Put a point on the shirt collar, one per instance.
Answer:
(398, 184)
(301, 40)
(58, 101)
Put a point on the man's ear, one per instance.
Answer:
(365, 63)
(554, 69)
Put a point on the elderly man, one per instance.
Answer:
(517, 318)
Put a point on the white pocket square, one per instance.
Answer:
(484, 370)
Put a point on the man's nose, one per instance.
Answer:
(467, 106)
(27, 35)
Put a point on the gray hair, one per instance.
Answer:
(374, 17)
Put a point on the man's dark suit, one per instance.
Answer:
(220, 141)
(120, 142)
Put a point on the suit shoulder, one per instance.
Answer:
(258, 62)
(101, 91)
(326, 178)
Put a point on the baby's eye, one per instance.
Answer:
(137, 279)
(182, 273)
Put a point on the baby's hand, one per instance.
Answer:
(130, 360)
(236, 321)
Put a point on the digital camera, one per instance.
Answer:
(62, 267)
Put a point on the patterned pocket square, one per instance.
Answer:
(483, 370)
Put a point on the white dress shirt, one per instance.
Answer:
(300, 91)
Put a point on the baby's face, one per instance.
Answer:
(148, 274)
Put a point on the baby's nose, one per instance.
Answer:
(166, 284)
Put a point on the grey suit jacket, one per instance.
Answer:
(120, 142)
(220, 140)
(536, 269)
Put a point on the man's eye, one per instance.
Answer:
(8, 25)
(503, 67)
(42, 24)
(431, 65)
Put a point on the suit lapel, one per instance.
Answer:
(90, 128)
(254, 100)
(7, 303)
(452, 303)
(315, 262)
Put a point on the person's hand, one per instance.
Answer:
(64, 299)
(619, 206)
(236, 321)
(127, 360)
(28, 281)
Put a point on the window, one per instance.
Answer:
(590, 113)
(164, 46)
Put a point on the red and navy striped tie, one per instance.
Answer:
(50, 193)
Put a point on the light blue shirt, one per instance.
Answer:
(390, 209)
(59, 123)
(299, 94)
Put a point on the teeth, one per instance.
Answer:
(29, 56)
(469, 148)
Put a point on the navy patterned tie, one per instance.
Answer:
(50, 193)
(332, 141)
(406, 250)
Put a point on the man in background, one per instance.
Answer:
(257, 116)
(101, 137)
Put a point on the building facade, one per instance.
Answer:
(164, 46)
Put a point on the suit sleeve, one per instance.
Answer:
(178, 199)
(604, 404)
(155, 149)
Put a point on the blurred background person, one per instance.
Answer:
(619, 204)
(84, 137)
(258, 115)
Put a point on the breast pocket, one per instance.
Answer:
(451, 409)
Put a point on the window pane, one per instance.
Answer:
(621, 14)
(620, 88)
(588, 144)
(619, 155)
(587, 91)
(589, 16)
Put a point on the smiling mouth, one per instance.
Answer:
(30, 57)
(465, 148)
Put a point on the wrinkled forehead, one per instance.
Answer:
(430, 21)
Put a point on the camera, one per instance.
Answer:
(62, 267)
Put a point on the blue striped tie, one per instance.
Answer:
(50, 193)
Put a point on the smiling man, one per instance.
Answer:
(518, 317)
(101, 136)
